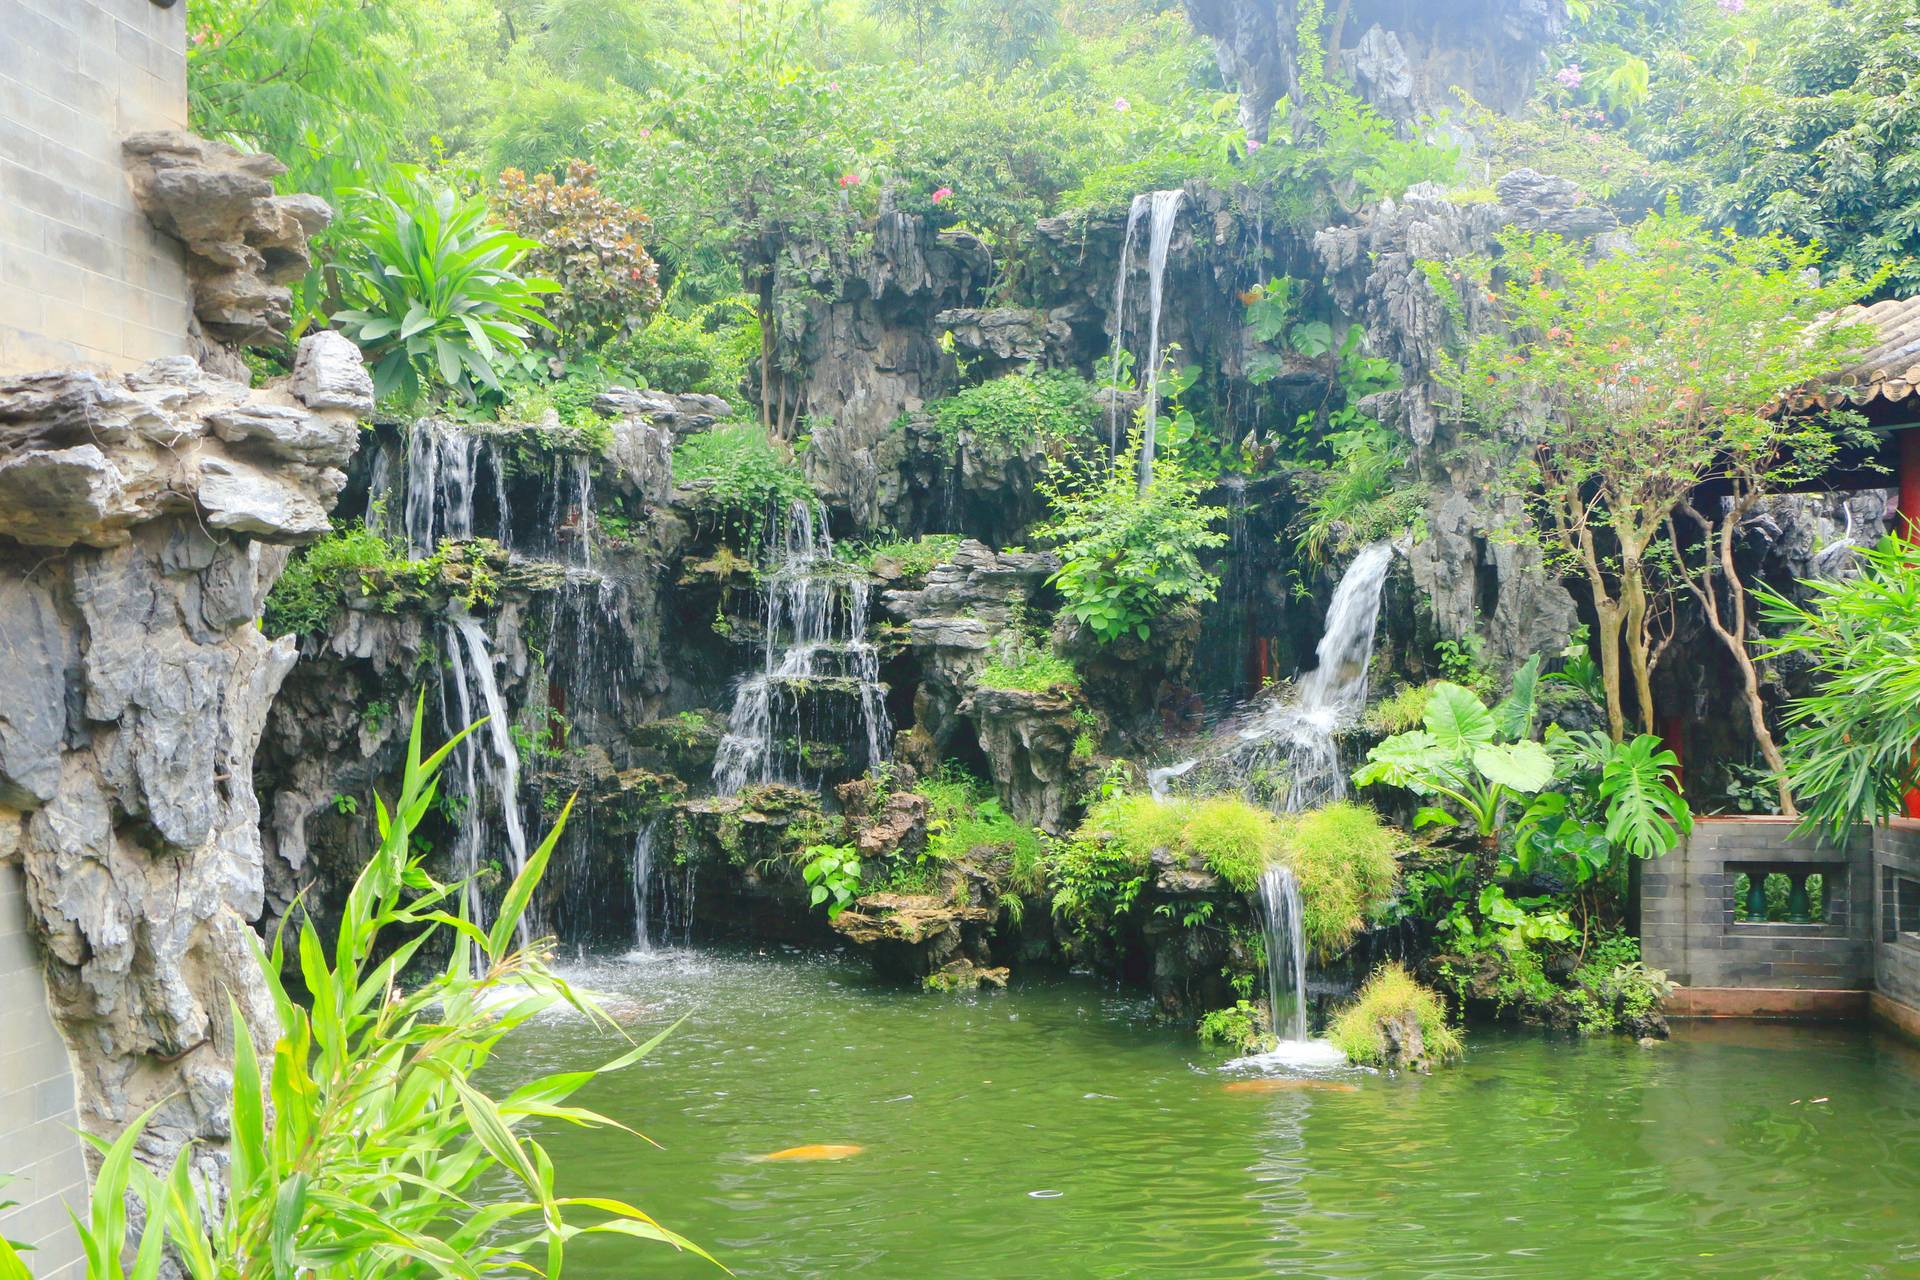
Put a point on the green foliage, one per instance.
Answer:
(1391, 994)
(915, 557)
(741, 478)
(303, 599)
(361, 1143)
(1459, 756)
(965, 819)
(1234, 839)
(1637, 377)
(1346, 862)
(1016, 412)
(1243, 1028)
(1405, 708)
(436, 292)
(707, 351)
(833, 873)
(590, 244)
(1851, 736)
(1130, 554)
(1612, 989)
(1359, 498)
(1029, 666)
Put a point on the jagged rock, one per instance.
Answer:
(135, 693)
(1008, 335)
(965, 975)
(898, 830)
(1028, 741)
(1405, 60)
(243, 241)
(915, 934)
(329, 373)
(1405, 1048)
(288, 432)
(682, 744)
(640, 458)
(682, 414)
(954, 619)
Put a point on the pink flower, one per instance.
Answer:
(849, 180)
(1121, 104)
(1253, 145)
(942, 194)
(645, 134)
(1569, 76)
(1733, 6)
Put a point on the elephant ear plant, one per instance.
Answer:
(361, 1147)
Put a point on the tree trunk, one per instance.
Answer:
(1633, 602)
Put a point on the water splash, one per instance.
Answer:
(816, 650)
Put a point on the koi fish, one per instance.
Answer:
(815, 1151)
(1288, 1084)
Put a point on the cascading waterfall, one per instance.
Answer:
(1286, 953)
(642, 885)
(816, 643)
(1161, 209)
(491, 772)
(1333, 694)
(441, 464)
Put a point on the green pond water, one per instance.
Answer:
(1054, 1131)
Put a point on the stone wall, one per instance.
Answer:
(1896, 957)
(37, 1115)
(84, 277)
(1687, 911)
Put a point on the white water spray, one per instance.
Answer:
(1161, 209)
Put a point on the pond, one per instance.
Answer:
(1055, 1131)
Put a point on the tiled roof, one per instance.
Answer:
(1891, 369)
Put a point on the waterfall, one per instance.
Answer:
(492, 773)
(642, 884)
(816, 652)
(1333, 694)
(1300, 730)
(1162, 211)
(1286, 953)
(440, 469)
(1166, 207)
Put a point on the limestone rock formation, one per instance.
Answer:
(1406, 60)
(244, 243)
(144, 519)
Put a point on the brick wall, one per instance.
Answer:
(83, 276)
(1896, 855)
(37, 1143)
(1687, 911)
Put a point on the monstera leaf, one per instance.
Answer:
(1458, 720)
(1524, 767)
(1645, 815)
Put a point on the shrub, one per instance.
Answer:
(304, 598)
(1007, 414)
(1131, 554)
(437, 291)
(916, 557)
(746, 477)
(1344, 858)
(1613, 990)
(1392, 994)
(1404, 709)
(591, 244)
(965, 817)
(708, 351)
(1030, 670)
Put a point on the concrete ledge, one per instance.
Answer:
(1901, 1018)
(1808, 1005)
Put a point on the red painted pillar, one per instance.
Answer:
(1909, 523)
(1673, 734)
(1908, 527)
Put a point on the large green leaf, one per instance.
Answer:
(1457, 719)
(1524, 767)
(1645, 815)
(1513, 716)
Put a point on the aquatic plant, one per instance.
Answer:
(360, 1146)
(1392, 1002)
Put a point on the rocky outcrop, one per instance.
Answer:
(1027, 739)
(954, 620)
(870, 352)
(1407, 60)
(244, 243)
(144, 519)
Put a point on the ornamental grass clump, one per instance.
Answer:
(1395, 1021)
(1344, 857)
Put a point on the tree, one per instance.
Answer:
(1632, 379)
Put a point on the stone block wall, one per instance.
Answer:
(84, 276)
(1687, 911)
(37, 1116)
(1896, 855)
